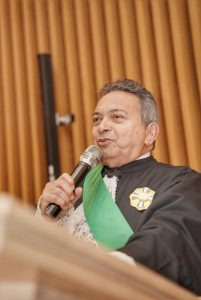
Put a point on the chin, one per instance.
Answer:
(111, 161)
(108, 153)
(112, 157)
(107, 159)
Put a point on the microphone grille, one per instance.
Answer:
(95, 151)
(91, 155)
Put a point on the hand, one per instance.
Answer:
(62, 192)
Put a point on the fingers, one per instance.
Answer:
(78, 193)
(61, 192)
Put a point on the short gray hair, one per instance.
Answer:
(149, 110)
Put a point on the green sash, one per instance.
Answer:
(106, 222)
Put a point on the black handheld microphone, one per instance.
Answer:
(88, 160)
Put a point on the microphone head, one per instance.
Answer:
(91, 156)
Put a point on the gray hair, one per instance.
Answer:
(149, 110)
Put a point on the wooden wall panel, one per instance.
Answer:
(91, 42)
(169, 90)
(60, 81)
(194, 8)
(12, 169)
(73, 77)
(130, 41)
(99, 42)
(86, 64)
(34, 100)
(187, 80)
(150, 74)
(3, 176)
(41, 26)
(113, 36)
(22, 105)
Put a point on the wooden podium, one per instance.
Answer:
(40, 261)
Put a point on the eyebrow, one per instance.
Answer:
(111, 111)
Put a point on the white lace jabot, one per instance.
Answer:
(74, 220)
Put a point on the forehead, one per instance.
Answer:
(119, 100)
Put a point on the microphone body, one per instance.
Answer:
(88, 160)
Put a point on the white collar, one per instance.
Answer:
(144, 156)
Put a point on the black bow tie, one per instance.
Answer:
(111, 172)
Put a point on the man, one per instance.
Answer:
(131, 203)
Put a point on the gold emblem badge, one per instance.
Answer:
(141, 198)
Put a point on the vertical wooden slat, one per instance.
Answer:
(9, 102)
(25, 146)
(60, 83)
(86, 64)
(168, 82)
(150, 68)
(99, 42)
(113, 35)
(187, 80)
(43, 47)
(194, 7)
(73, 75)
(130, 44)
(41, 18)
(3, 175)
(35, 107)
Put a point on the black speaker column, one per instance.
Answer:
(49, 116)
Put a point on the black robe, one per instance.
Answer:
(167, 234)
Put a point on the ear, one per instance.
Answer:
(152, 131)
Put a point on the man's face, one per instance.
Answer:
(118, 129)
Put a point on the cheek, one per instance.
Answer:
(132, 137)
(139, 136)
(94, 132)
(126, 137)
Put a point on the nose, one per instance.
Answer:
(104, 126)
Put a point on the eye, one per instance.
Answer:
(96, 120)
(117, 117)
